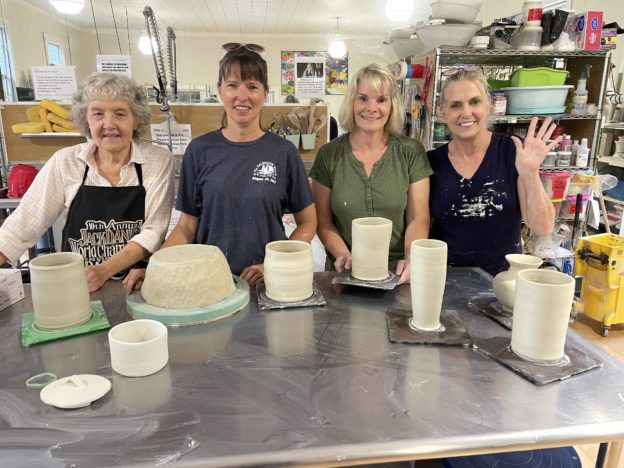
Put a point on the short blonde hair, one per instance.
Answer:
(111, 86)
(381, 80)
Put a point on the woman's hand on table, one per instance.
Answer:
(134, 280)
(403, 271)
(342, 263)
(531, 152)
(96, 277)
(253, 274)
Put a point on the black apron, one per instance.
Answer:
(101, 220)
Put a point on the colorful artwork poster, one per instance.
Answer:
(336, 71)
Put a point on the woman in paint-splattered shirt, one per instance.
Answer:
(484, 184)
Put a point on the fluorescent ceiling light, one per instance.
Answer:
(399, 10)
(144, 45)
(69, 7)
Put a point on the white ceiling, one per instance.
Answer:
(358, 18)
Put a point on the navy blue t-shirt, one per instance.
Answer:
(479, 218)
(240, 191)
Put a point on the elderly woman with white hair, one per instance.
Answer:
(372, 170)
(114, 192)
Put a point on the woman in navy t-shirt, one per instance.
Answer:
(484, 184)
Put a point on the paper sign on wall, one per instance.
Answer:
(121, 64)
(310, 77)
(54, 82)
(180, 136)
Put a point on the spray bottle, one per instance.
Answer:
(579, 101)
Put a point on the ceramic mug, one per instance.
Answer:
(138, 348)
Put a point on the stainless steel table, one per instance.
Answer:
(299, 386)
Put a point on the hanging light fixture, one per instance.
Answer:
(399, 10)
(69, 7)
(144, 44)
(337, 48)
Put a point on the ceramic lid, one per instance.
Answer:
(75, 391)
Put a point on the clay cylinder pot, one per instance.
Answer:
(60, 294)
(288, 270)
(541, 314)
(427, 282)
(138, 348)
(505, 282)
(370, 244)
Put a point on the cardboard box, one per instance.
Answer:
(11, 287)
(588, 28)
(608, 39)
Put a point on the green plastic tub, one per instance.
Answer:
(539, 76)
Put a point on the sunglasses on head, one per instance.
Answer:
(230, 46)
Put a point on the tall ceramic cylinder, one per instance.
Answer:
(288, 270)
(427, 282)
(541, 314)
(60, 294)
(505, 282)
(370, 245)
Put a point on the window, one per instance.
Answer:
(55, 53)
(6, 67)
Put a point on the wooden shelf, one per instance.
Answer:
(612, 161)
(613, 200)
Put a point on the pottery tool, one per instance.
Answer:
(294, 120)
(321, 121)
(311, 119)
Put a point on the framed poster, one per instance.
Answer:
(336, 71)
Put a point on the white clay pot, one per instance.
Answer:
(505, 281)
(288, 270)
(138, 348)
(60, 294)
(370, 245)
(427, 282)
(541, 314)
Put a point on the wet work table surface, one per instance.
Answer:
(314, 386)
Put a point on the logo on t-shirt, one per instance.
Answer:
(265, 172)
(100, 240)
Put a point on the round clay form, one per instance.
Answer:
(186, 277)
(541, 314)
(505, 282)
(288, 270)
(370, 244)
(60, 294)
(427, 282)
(138, 348)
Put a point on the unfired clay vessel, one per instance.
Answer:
(288, 270)
(187, 277)
(427, 282)
(60, 294)
(505, 281)
(138, 348)
(541, 314)
(370, 244)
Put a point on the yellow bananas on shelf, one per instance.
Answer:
(59, 129)
(32, 113)
(43, 114)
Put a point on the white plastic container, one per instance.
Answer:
(529, 38)
(532, 13)
(446, 34)
(528, 100)
(454, 11)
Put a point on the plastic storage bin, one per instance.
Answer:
(556, 184)
(529, 100)
(568, 208)
(538, 76)
(584, 188)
